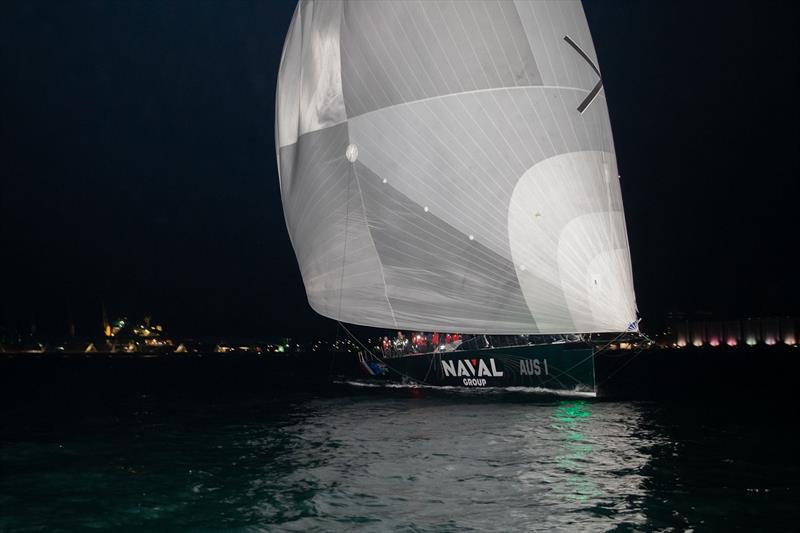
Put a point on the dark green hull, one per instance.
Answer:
(565, 367)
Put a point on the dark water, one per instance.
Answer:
(398, 459)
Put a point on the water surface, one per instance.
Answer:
(396, 459)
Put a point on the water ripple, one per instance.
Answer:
(402, 460)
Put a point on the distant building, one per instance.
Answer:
(705, 331)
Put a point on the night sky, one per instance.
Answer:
(138, 165)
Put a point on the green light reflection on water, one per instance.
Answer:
(569, 416)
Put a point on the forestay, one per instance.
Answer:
(449, 166)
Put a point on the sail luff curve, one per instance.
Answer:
(437, 174)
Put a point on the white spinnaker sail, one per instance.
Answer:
(436, 172)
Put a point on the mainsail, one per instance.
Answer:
(449, 166)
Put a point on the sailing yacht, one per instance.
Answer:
(450, 166)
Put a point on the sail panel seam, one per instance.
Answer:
(369, 232)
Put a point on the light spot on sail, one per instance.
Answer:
(426, 208)
(384, 180)
(471, 237)
(351, 153)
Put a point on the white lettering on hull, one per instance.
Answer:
(470, 369)
(533, 367)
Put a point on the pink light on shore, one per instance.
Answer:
(731, 342)
(714, 342)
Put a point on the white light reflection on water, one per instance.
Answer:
(406, 460)
(448, 464)
(593, 465)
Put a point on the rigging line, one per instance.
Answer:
(629, 361)
(344, 258)
(358, 341)
(430, 366)
(344, 251)
(612, 341)
(555, 375)
(560, 383)
(333, 358)
(594, 352)
(379, 359)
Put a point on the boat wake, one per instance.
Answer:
(540, 391)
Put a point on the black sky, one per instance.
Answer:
(138, 166)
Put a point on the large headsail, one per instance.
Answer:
(449, 166)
